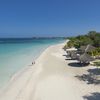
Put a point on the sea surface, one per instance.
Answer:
(16, 54)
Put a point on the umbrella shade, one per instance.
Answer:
(85, 58)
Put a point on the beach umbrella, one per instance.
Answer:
(82, 48)
(72, 49)
(89, 48)
(85, 58)
(73, 55)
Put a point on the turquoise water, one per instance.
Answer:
(18, 53)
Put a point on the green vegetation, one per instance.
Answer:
(97, 64)
(92, 38)
(65, 47)
(95, 52)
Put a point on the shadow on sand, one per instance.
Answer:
(77, 64)
(93, 76)
(95, 71)
(93, 96)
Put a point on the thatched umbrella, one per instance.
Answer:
(74, 56)
(85, 58)
(89, 48)
(71, 49)
(81, 50)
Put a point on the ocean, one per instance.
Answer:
(16, 54)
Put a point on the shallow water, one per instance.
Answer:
(18, 53)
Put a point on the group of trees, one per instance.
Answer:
(92, 38)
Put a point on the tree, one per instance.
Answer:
(92, 34)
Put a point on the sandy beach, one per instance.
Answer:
(50, 78)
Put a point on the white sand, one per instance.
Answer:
(51, 78)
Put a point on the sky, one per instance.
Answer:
(29, 18)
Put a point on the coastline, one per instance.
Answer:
(50, 78)
(29, 64)
(17, 56)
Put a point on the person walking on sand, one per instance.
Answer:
(33, 62)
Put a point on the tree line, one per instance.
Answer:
(92, 38)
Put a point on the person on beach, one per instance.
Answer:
(33, 62)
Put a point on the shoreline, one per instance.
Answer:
(50, 78)
(14, 75)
